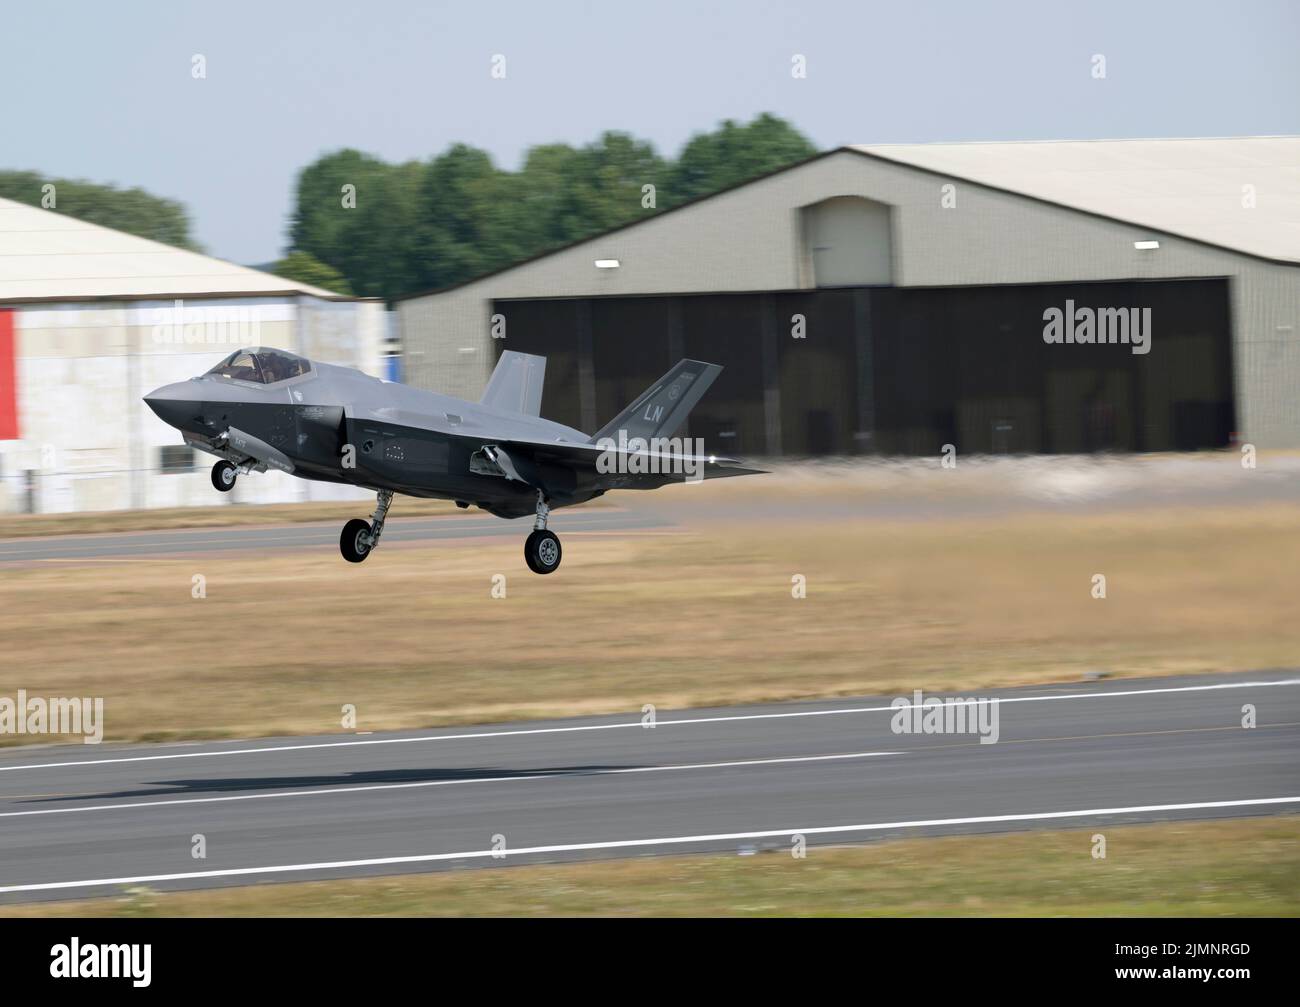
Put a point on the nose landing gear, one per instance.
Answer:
(360, 538)
(542, 550)
(223, 476)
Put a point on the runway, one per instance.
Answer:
(76, 821)
(264, 538)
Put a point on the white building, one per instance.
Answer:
(91, 319)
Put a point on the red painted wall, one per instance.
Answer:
(8, 379)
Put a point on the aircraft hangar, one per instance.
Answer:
(1046, 297)
(92, 318)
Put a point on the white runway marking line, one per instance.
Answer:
(632, 843)
(361, 788)
(636, 723)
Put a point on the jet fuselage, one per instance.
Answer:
(337, 424)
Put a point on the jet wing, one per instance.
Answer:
(626, 469)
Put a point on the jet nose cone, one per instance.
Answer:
(174, 404)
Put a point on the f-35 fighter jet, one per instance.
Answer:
(265, 409)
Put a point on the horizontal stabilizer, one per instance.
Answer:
(516, 384)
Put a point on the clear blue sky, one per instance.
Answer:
(103, 91)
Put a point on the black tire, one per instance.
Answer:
(352, 541)
(542, 552)
(223, 476)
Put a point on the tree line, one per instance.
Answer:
(386, 230)
(132, 210)
(363, 226)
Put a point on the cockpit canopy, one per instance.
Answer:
(262, 365)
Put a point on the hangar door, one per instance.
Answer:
(970, 366)
(900, 371)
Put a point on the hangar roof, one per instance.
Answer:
(1192, 188)
(1187, 188)
(46, 255)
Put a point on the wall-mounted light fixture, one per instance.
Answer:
(1146, 246)
(607, 263)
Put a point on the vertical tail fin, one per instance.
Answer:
(516, 383)
(662, 408)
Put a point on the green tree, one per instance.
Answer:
(462, 231)
(733, 153)
(306, 268)
(420, 226)
(359, 215)
(595, 188)
(131, 210)
(383, 254)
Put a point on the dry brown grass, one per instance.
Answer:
(1244, 867)
(413, 637)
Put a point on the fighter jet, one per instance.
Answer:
(263, 409)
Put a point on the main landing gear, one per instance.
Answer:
(359, 537)
(542, 548)
(223, 476)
